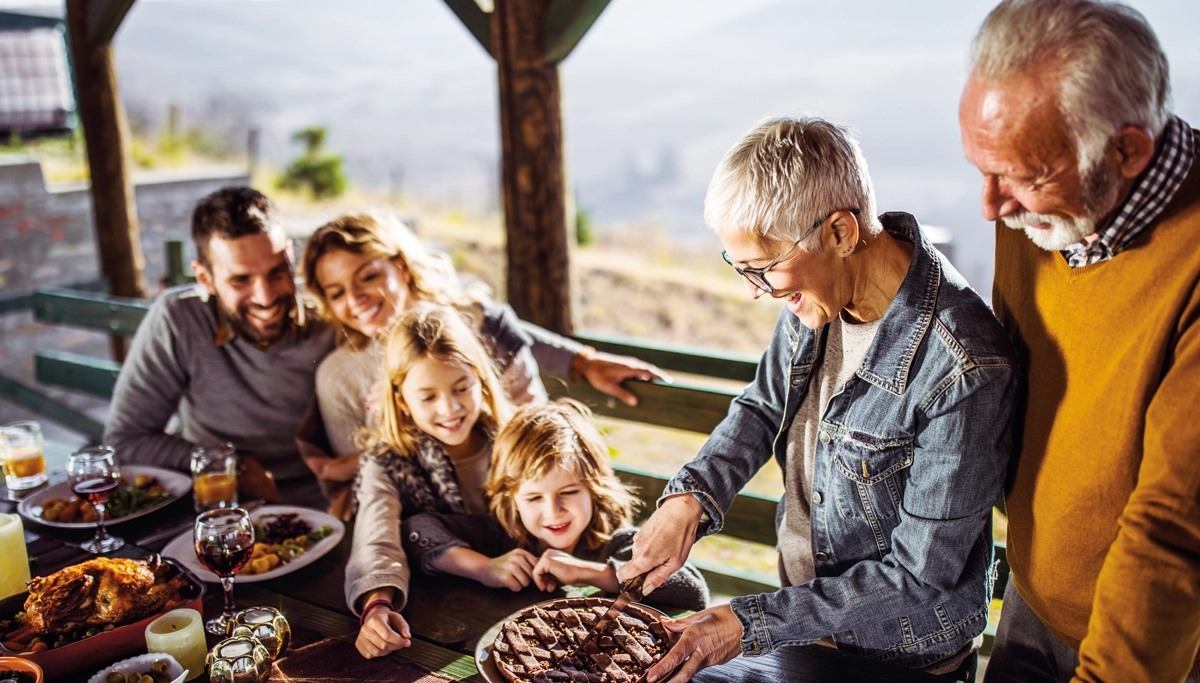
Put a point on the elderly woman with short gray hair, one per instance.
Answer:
(886, 395)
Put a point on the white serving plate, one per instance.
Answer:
(183, 550)
(176, 483)
(142, 663)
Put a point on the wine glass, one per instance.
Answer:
(224, 543)
(93, 474)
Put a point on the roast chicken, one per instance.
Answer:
(98, 592)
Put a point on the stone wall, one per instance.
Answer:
(46, 233)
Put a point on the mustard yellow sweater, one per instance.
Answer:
(1104, 501)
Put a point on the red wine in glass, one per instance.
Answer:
(93, 474)
(97, 490)
(224, 541)
(225, 558)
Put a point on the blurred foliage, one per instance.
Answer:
(321, 174)
(584, 228)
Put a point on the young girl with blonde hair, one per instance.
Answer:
(559, 515)
(364, 270)
(443, 404)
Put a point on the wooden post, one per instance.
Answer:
(118, 237)
(534, 189)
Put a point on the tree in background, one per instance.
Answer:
(320, 173)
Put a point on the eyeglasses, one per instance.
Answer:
(758, 276)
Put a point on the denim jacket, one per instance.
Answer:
(910, 457)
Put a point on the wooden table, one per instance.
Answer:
(447, 614)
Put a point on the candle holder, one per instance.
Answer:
(240, 659)
(264, 624)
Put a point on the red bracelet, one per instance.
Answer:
(362, 619)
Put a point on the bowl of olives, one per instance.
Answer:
(154, 667)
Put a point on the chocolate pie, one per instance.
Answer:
(535, 647)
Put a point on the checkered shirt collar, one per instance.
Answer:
(1150, 195)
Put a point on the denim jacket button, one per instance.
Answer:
(816, 498)
(821, 557)
(823, 437)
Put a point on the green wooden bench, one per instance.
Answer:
(679, 405)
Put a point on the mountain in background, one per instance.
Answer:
(653, 96)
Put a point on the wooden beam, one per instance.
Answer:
(104, 17)
(477, 21)
(118, 236)
(93, 311)
(95, 376)
(676, 357)
(31, 398)
(565, 25)
(667, 405)
(531, 136)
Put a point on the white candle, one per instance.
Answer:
(14, 563)
(179, 633)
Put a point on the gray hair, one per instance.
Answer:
(787, 174)
(1112, 71)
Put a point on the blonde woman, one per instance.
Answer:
(442, 405)
(364, 271)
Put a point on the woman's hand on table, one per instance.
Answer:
(662, 545)
(556, 567)
(707, 638)
(382, 631)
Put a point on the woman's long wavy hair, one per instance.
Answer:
(431, 275)
(432, 331)
(536, 440)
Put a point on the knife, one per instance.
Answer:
(631, 591)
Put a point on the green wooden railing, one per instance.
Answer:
(677, 405)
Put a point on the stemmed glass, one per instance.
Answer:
(93, 474)
(224, 543)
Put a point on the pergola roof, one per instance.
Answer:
(35, 81)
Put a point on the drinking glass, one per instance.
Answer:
(224, 542)
(93, 474)
(24, 465)
(214, 477)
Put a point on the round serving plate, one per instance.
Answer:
(486, 664)
(183, 550)
(175, 483)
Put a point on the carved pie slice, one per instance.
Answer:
(533, 647)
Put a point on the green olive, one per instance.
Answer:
(114, 677)
(146, 679)
(159, 667)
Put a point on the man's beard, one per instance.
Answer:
(241, 320)
(1100, 190)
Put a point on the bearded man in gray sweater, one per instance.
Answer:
(235, 356)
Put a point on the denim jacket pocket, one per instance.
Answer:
(875, 470)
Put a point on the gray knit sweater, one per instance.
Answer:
(234, 392)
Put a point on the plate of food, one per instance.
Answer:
(143, 490)
(539, 638)
(87, 614)
(286, 539)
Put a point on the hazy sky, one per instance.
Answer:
(653, 95)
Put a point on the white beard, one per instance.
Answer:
(1061, 234)
(1100, 191)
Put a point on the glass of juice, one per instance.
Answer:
(94, 476)
(224, 542)
(214, 477)
(24, 464)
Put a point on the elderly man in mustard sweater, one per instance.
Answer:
(1065, 114)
